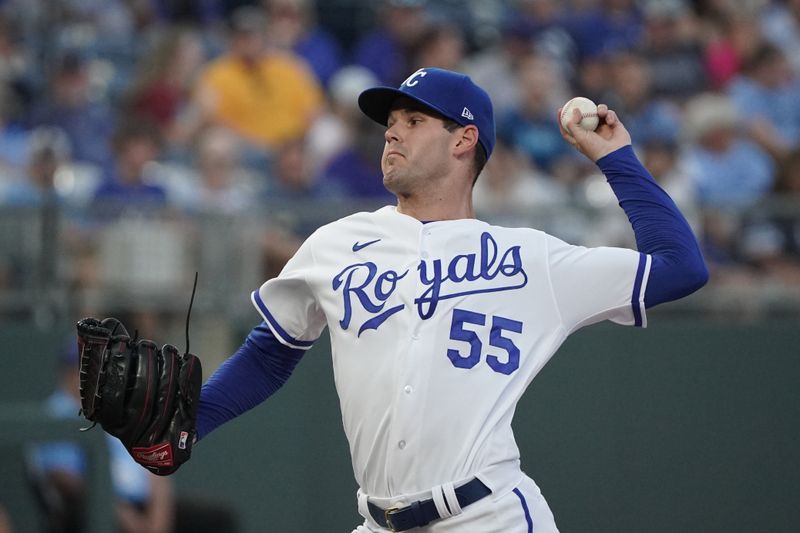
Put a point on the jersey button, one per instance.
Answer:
(424, 255)
(407, 389)
(401, 444)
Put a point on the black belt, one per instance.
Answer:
(423, 512)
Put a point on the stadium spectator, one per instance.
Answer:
(648, 118)
(732, 40)
(726, 167)
(49, 198)
(672, 49)
(342, 145)
(355, 170)
(495, 68)
(770, 238)
(18, 71)
(47, 151)
(605, 26)
(137, 143)
(662, 157)
(780, 25)
(591, 77)
(768, 94)
(386, 50)
(32, 238)
(165, 74)
(294, 199)
(266, 97)
(292, 178)
(215, 182)
(544, 23)
(13, 137)
(439, 45)
(334, 130)
(70, 105)
(531, 127)
(109, 31)
(293, 27)
(509, 183)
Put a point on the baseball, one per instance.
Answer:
(588, 109)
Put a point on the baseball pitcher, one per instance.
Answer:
(438, 321)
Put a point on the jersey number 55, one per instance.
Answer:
(501, 364)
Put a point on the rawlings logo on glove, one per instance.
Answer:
(158, 455)
(145, 396)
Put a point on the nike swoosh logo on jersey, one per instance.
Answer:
(357, 246)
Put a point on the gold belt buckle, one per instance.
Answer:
(387, 514)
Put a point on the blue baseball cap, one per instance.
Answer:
(450, 94)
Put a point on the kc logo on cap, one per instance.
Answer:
(410, 81)
(450, 94)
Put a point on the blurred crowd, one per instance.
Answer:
(115, 109)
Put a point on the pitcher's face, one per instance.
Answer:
(417, 149)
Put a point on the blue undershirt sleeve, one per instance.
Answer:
(677, 266)
(251, 375)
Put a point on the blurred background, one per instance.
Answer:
(144, 140)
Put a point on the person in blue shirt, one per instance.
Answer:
(47, 150)
(136, 144)
(13, 139)
(68, 105)
(727, 168)
(768, 94)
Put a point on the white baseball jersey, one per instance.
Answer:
(436, 330)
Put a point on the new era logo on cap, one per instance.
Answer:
(451, 94)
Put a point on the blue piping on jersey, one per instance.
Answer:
(636, 303)
(287, 339)
(525, 508)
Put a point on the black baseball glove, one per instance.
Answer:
(145, 396)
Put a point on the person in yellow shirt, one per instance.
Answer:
(267, 97)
